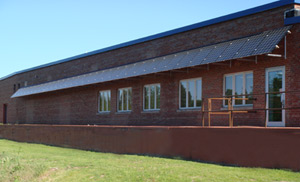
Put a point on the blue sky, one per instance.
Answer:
(35, 32)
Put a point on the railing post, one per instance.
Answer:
(209, 110)
(203, 123)
(229, 110)
(231, 113)
(266, 95)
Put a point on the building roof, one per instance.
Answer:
(259, 44)
(232, 16)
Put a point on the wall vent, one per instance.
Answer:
(291, 13)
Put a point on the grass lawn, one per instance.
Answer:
(34, 162)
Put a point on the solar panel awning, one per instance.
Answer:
(259, 44)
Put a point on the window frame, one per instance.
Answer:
(244, 73)
(149, 95)
(103, 91)
(195, 90)
(118, 96)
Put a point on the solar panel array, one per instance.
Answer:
(249, 46)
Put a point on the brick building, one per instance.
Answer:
(165, 79)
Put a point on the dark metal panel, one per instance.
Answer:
(271, 39)
(174, 60)
(166, 63)
(249, 46)
(201, 56)
(153, 66)
(187, 59)
(148, 67)
(215, 53)
(253, 45)
(231, 50)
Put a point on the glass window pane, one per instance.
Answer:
(146, 97)
(249, 87)
(191, 94)
(120, 100)
(100, 102)
(275, 81)
(152, 97)
(183, 92)
(228, 87)
(129, 98)
(108, 100)
(158, 97)
(238, 89)
(275, 102)
(275, 85)
(199, 93)
(125, 100)
(105, 101)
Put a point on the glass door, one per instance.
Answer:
(275, 82)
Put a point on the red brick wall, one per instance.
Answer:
(79, 105)
(292, 76)
(250, 147)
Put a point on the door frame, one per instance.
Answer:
(270, 123)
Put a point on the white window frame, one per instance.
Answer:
(233, 87)
(127, 102)
(149, 95)
(195, 102)
(103, 91)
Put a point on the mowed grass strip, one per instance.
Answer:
(35, 162)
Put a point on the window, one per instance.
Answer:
(124, 99)
(152, 97)
(104, 101)
(239, 85)
(190, 93)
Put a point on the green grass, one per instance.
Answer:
(34, 162)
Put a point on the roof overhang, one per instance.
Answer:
(260, 44)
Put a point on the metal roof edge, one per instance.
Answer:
(293, 20)
(232, 16)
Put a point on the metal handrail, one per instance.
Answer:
(230, 110)
(254, 94)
